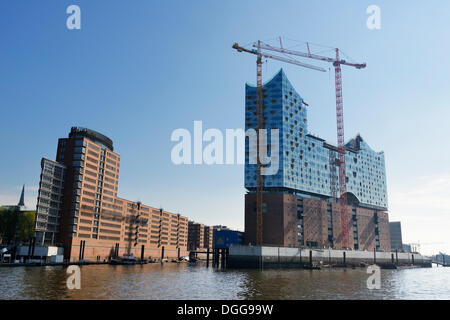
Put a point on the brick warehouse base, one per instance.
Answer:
(95, 250)
(279, 219)
(319, 222)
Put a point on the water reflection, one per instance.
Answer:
(195, 281)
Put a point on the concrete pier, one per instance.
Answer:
(279, 257)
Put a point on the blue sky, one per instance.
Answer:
(138, 70)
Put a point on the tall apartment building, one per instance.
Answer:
(49, 202)
(208, 237)
(200, 236)
(300, 206)
(395, 231)
(196, 236)
(93, 222)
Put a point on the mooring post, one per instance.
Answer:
(32, 248)
(217, 258)
(142, 252)
(392, 258)
(29, 249)
(207, 257)
(310, 258)
(223, 258)
(84, 246)
(261, 262)
(344, 257)
(227, 251)
(412, 257)
(162, 253)
(81, 249)
(278, 256)
(14, 252)
(396, 255)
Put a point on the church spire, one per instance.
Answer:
(22, 197)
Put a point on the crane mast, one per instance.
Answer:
(260, 124)
(341, 150)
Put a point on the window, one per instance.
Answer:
(79, 143)
(77, 163)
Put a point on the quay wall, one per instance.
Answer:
(280, 257)
(96, 250)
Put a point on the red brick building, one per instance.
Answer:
(93, 222)
(293, 221)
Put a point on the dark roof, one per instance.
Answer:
(314, 137)
(355, 143)
(80, 132)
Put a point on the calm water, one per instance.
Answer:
(184, 281)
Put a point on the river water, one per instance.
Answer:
(195, 281)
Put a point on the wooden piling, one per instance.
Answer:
(81, 249)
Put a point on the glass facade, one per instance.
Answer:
(50, 197)
(306, 162)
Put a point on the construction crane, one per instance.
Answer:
(415, 247)
(337, 62)
(260, 125)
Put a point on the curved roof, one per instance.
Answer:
(80, 132)
(280, 73)
(358, 143)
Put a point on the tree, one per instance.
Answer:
(25, 225)
(7, 222)
(15, 224)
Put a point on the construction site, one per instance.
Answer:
(324, 196)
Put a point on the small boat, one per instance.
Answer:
(308, 267)
(388, 266)
(127, 259)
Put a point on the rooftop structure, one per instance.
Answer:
(94, 136)
(22, 198)
(20, 206)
